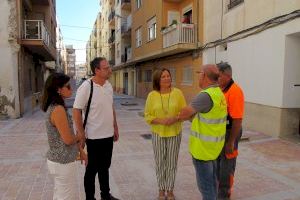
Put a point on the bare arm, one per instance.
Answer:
(60, 121)
(234, 133)
(77, 117)
(116, 129)
(186, 113)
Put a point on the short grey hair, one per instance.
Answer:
(224, 67)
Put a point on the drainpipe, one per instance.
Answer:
(198, 22)
(18, 13)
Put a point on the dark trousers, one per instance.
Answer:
(226, 169)
(99, 160)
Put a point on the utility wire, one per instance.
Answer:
(253, 30)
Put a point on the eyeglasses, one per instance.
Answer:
(200, 72)
(105, 68)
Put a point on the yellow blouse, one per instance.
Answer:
(162, 106)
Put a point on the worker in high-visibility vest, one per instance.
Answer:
(209, 113)
(235, 108)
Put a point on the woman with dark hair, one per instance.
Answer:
(62, 141)
(163, 105)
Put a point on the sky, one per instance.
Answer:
(72, 15)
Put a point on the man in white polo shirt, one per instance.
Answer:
(101, 127)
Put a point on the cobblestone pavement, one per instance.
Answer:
(268, 168)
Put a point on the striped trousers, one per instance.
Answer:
(166, 150)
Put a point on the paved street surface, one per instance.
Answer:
(267, 169)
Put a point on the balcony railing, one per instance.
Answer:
(124, 29)
(123, 58)
(111, 39)
(127, 56)
(179, 34)
(36, 30)
(125, 4)
(126, 26)
(111, 15)
(234, 3)
(129, 53)
(111, 62)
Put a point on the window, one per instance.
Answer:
(234, 3)
(152, 29)
(140, 75)
(138, 37)
(118, 50)
(187, 77)
(173, 75)
(138, 3)
(148, 75)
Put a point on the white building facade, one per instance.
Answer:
(261, 41)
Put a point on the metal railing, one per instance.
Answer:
(129, 53)
(125, 1)
(36, 30)
(179, 34)
(234, 3)
(111, 15)
(111, 62)
(126, 25)
(111, 39)
(123, 58)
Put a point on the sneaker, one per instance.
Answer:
(110, 198)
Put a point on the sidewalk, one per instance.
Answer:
(267, 169)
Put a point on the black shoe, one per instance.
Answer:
(110, 198)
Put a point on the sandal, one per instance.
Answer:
(161, 195)
(170, 196)
(161, 198)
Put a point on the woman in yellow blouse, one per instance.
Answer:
(162, 107)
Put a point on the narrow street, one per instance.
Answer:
(268, 168)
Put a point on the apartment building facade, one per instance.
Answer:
(28, 32)
(156, 34)
(261, 40)
(61, 58)
(94, 46)
(71, 61)
(124, 76)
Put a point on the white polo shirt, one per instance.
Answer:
(100, 119)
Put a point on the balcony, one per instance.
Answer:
(41, 2)
(234, 3)
(179, 37)
(127, 56)
(111, 39)
(174, 1)
(111, 18)
(125, 32)
(126, 5)
(37, 39)
(111, 62)
(126, 27)
(123, 58)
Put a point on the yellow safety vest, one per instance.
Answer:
(208, 129)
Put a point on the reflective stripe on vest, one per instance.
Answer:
(208, 138)
(212, 121)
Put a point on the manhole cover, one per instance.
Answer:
(147, 136)
(128, 103)
(134, 109)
